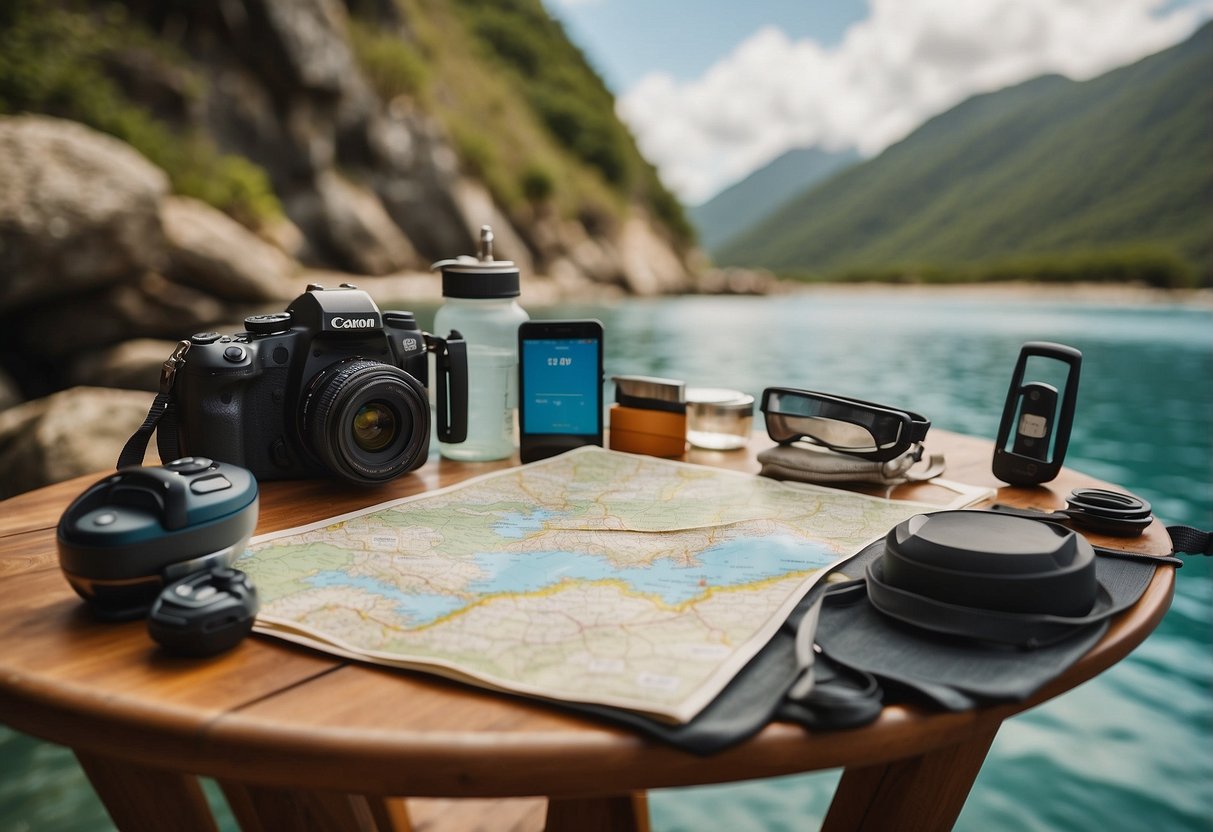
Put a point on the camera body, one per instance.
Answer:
(332, 385)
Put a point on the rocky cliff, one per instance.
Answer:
(386, 132)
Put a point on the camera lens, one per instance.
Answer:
(375, 426)
(368, 422)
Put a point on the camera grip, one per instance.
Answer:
(451, 367)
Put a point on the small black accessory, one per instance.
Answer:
(988, 576)
(204, 614)
(1095, 509)
(136, 530)
(331, 386)
(849, 426)
(1041, 428)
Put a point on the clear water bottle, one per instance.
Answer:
(480, 301)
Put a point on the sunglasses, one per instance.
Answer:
(849, 426)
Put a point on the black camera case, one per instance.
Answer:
(130, 534)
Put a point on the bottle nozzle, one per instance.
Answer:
(486, 243)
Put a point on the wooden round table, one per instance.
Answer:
(301, 739)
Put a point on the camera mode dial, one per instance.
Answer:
(268, 324)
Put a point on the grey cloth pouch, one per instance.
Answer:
(957, 674)
(805, 464)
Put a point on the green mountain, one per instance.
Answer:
(751, 200)
(1116, 167)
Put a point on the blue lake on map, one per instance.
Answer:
(418, 607)
(728, 564)
(733, 563)
(516, 525)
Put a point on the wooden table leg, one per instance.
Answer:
(264, 809)
(142, 799)
(918, 793)
(622, 813)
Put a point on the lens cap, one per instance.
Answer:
(958, 571)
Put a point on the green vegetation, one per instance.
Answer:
(526, 112)
(567, 95)
(1053, 179)
(1145, 264)
(390, 65)
(537, 184)
(54, 58)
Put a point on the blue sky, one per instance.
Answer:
(628, 39)
(714, 89)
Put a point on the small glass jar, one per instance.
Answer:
(719, 419)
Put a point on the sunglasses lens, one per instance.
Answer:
(842, 436)
(838, 425)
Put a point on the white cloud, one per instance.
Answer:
(907, 61)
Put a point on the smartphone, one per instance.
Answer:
(559, 386)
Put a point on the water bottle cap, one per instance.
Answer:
(479, 277)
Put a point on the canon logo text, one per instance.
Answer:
(352, 323)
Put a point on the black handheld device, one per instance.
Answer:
(1036, 420)
(559, 386)
(205, 613)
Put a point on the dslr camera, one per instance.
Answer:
(330, 386)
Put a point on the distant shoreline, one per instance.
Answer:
(1112, 293)
(537, 290)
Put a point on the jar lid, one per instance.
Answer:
(650, 388)
(721, 400)
(480, 277)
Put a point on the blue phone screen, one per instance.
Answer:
(562, 386)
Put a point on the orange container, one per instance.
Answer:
(653, 432)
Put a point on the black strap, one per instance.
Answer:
(135, 447)
(1190, 540)
(167, 444)
(163, 413)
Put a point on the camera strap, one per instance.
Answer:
(162, 415)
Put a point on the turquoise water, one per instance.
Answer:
(1131, 749)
